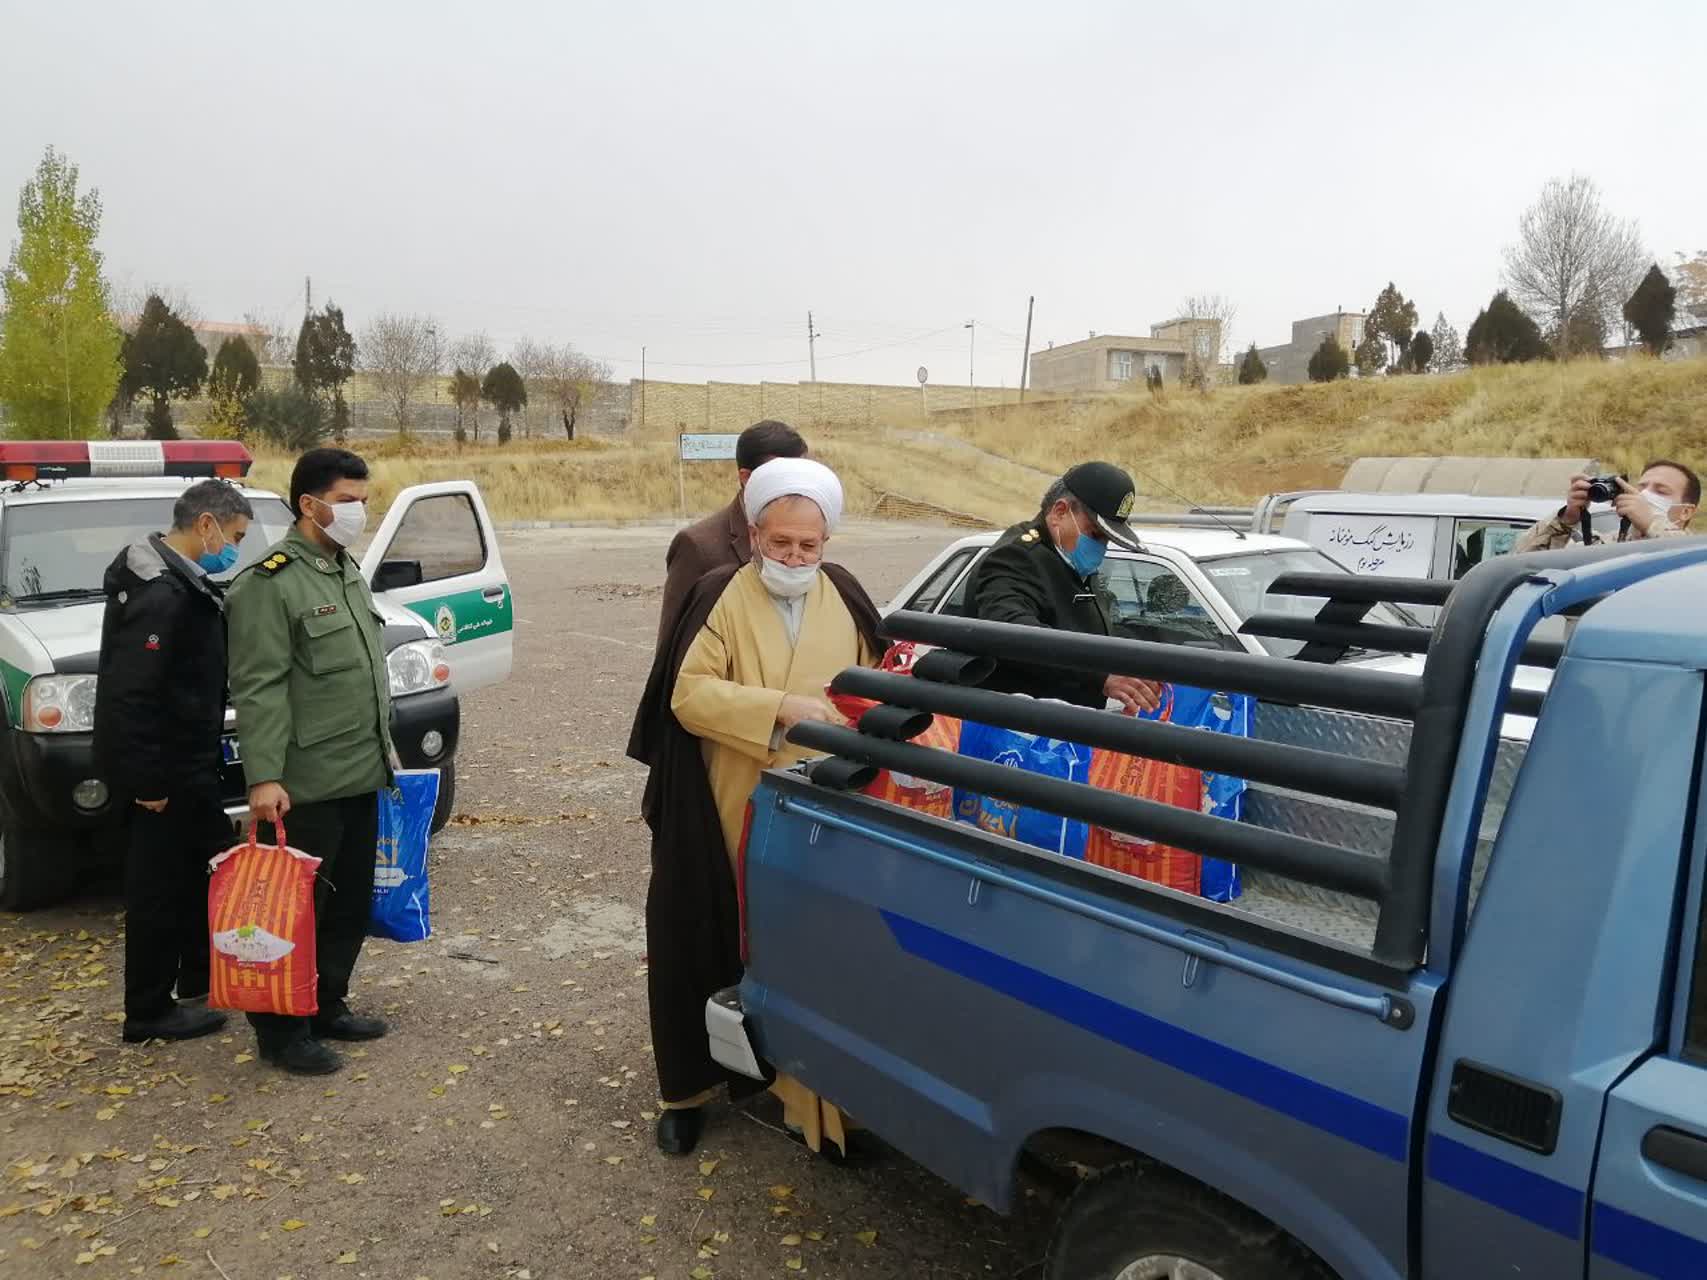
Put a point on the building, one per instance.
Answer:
(1119, 362)
(1291, 362)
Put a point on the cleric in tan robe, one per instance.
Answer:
(754, 649)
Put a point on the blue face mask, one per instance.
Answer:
(1087, 554)
(217, 562)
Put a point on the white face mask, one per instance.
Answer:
(786, 581)
(349, 520)
(1657, 502)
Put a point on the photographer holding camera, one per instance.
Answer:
(1660, 504)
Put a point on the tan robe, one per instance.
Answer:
(727, 694)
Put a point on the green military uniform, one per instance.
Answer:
(308, 675)
(1024, 580)
(313, 701)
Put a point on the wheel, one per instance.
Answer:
(35, 870)
(1140, 1222)
(447, 797)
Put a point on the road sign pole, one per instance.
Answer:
(681, 479)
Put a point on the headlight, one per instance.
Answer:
(59, 704)
(417, 667)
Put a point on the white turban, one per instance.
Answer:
(794, 478)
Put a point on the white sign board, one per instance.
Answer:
(701, 447)
(1386, 546)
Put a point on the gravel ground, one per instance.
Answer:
(504, 1127)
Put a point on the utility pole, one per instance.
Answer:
(307, 297)
(971, 326)
(643, 388)
(1025, 360)
(812, 346)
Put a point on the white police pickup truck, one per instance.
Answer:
(66, 508)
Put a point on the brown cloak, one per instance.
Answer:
(693, 929)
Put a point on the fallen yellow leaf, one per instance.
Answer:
(456, 1068)
(241, 1058)
(294, 1224)
(791, 1240)
(782, 1193)
(795, 1264)
(650, 1220)
(351, 1179)
(705, 1193)
(345, 1259)
(708, 1167)
(867, 1238)
(202, 1233)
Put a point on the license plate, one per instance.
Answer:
(228, 748)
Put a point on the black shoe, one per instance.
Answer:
(338, 1023)
(180, 1023)
(864, 1147)
(303, 1056)
(679, 1129)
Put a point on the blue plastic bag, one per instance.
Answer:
(1224, 796)
(1050, 757)
(401, 910)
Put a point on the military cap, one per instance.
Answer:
(1106, 492)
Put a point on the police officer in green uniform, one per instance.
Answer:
(313, 701)
(1043, 573)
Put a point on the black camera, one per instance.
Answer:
(1604, 488)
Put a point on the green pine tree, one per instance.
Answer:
(1251, 369)
(59, 347)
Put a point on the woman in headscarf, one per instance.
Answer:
(749, 659)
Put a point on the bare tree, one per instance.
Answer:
(474, 354)
(568, 381)
(1209, 334)
(533, 360)
(129, 302)
(1573, 263)
(275, 341)
(402, 353)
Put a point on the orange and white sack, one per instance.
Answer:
(260, 915)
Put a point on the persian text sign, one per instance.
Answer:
(702, 447)
(1388, 546)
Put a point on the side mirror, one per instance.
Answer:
(392, 574)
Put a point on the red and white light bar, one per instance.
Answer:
(26, 460)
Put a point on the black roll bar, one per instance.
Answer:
(1302, 768)
(1347, 870)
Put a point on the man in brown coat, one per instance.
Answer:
(722, 538)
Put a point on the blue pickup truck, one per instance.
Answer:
(1456, 1026)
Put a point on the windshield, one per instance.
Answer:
(1243, 581)
(58, 552)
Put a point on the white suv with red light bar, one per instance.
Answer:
(68, 507)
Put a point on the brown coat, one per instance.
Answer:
(719, 539)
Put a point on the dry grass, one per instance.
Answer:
(1241, 442)
(1233, 445)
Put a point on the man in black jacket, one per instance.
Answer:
(159, 714)
(1043, 573)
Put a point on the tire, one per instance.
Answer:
(447, 798)
(1141, 1222)
(35, 870)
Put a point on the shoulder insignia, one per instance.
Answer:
(273, 563)
(1030, 535)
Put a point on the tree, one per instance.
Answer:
(1420, 353)
(505, 391)
(1651, 310)
(1393, 319)
(1584, 335)
(532, 360)
(236, 371)
(59, 347)
(475, 355)
(291, 417)
(1572, 259)
(1329, 361)
(163, 359)
(1448, 348)
(1503, 334)
(569, 379)
(465, 395)
(1692, 285)
(325, 360)
(1209, 325)
(1371, 353)
(1251, 369)
(274, 341)
(403, 353)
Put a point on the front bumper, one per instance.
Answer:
(726, 1027)
(38, 774)
(414, 718)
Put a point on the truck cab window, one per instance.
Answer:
(1695, 1029)
(1474, 541)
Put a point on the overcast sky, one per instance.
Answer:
(695, 177)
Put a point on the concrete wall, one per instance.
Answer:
(733, 406)
(1085, 366)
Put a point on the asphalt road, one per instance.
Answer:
(503, 1129)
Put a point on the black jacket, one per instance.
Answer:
(160, 701)
(1023, 579)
